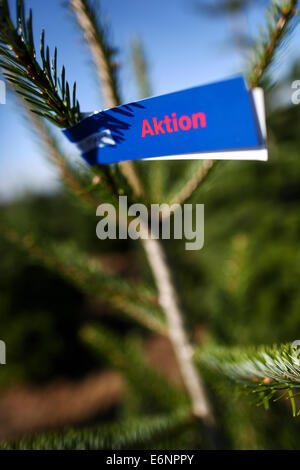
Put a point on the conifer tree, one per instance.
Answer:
(266, 372)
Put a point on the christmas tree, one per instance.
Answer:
(179, 404)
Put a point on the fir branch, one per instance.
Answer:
(39, 85)
(280, 15)
(132, 433)
(136, 301)
(262, 371)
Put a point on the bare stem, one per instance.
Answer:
(193, 183)
(183, 350)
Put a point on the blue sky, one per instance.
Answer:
(184, 48)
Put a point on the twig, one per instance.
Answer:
(193, 183)
(176, 331)
(279, 20)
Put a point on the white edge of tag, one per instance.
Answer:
(261, 154)
(259, 102)
(251, 154)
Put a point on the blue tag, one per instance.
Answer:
(219, 121)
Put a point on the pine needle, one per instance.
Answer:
(35, 81)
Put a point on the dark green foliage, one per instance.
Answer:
(130, 434)
(40, 317)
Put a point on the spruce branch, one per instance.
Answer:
(280, 15)
(48, 94)
(267, 373)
